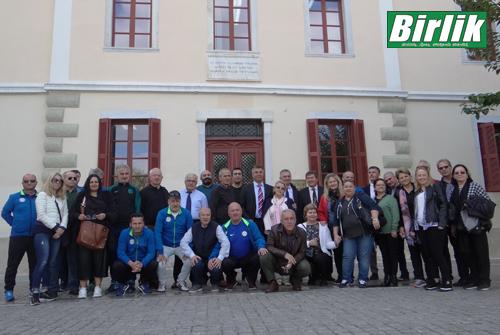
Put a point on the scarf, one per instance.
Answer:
(406, 215)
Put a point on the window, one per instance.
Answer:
(132, 24)
(132, 142)
(232, 25)
(326, 29)
(489, 140)
(337, 146)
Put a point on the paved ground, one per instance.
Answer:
(401, 310)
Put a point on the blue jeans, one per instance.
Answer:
(47, 262)
(199, 274)
(361, 247)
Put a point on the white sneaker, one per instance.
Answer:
(161, 287)
(97, 292)
(82, 293)
(182, 286)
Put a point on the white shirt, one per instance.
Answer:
(290, 193)
(315, 190)
(198, 201)
(420, 202)
(372, 191)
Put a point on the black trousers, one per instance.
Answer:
(338, 255)
(447, 256)
(123, 272)
(417, 260)
(475, 253)
(249, 266)
(462, 268)
(403, 269)
(321, 265)
(18, 246)
(433, 241)
(389, 249)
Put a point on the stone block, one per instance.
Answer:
(391, 106)
(63, 99)
(55, 114)
(394, 133)
(54, 129)
(402, 147)
(53, 144)
(396, 161)
(399, 120)
(58, 161)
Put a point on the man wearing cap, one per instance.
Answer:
(171, 225)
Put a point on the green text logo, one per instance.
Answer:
(436, 29)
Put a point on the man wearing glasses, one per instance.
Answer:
(20, 213)
(445, 170)
(192, 199)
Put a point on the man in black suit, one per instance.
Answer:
(291, 191)
(253, 197)
(310, 194)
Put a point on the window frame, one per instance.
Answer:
(489, 153)
(232, 38)
(345, 31)
(109, 28)
(107, 140)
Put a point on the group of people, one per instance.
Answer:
(213, 229)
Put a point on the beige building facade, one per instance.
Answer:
(189, 85)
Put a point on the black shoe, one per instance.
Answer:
(404, 278)
(470, 286)
(174, 285)
(323, 283)
(394, 281)
(73, 291)
(35, 299)
(446, 286)
(48, 296)
(483, 287)
(387, 282)
(311, 282)
(431, 285)
(112, 288)
(339, 280)
(130, 289)
(374, 276)
(461, 282)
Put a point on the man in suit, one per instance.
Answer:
(309, 194)
(253, 197)
(373, 175)
(291, 191)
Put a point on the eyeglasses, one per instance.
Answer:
(443, 167)
(72, 178)
(460, 172)
(57, 180)
(30, 181)
(279, 187)
(191, 181)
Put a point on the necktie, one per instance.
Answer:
(315, 197)
(188, 202)
(260, 200)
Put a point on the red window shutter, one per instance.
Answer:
(154, 143)
(489, 156)
(360, 164)
(314, 149)
(104, 149)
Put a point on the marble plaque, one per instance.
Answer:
(235, 67)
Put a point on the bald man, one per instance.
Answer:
(20, 213)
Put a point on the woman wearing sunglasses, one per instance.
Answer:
(52, 217)
(470, 230)
(273, 207)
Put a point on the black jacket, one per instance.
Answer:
(305, 198)
(153, 200)
(219, 202)
(436, 207)
(248, 198)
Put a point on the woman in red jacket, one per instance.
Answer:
(326, 210)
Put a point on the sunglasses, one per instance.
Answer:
(72, 178)
(30, 181)
(443, 167)
(56, 180)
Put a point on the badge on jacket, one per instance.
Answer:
(22, 200)
(168, 219)
(131, 242)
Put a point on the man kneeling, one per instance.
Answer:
(286, 245)
(136, 253)
(206, 245)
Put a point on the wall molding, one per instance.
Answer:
(218, 88)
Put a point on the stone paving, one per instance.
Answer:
(331, 310)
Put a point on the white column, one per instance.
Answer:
(268, 158)
(201, 145)
(61, 41)
(391, 57)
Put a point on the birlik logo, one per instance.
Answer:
(436, 30)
